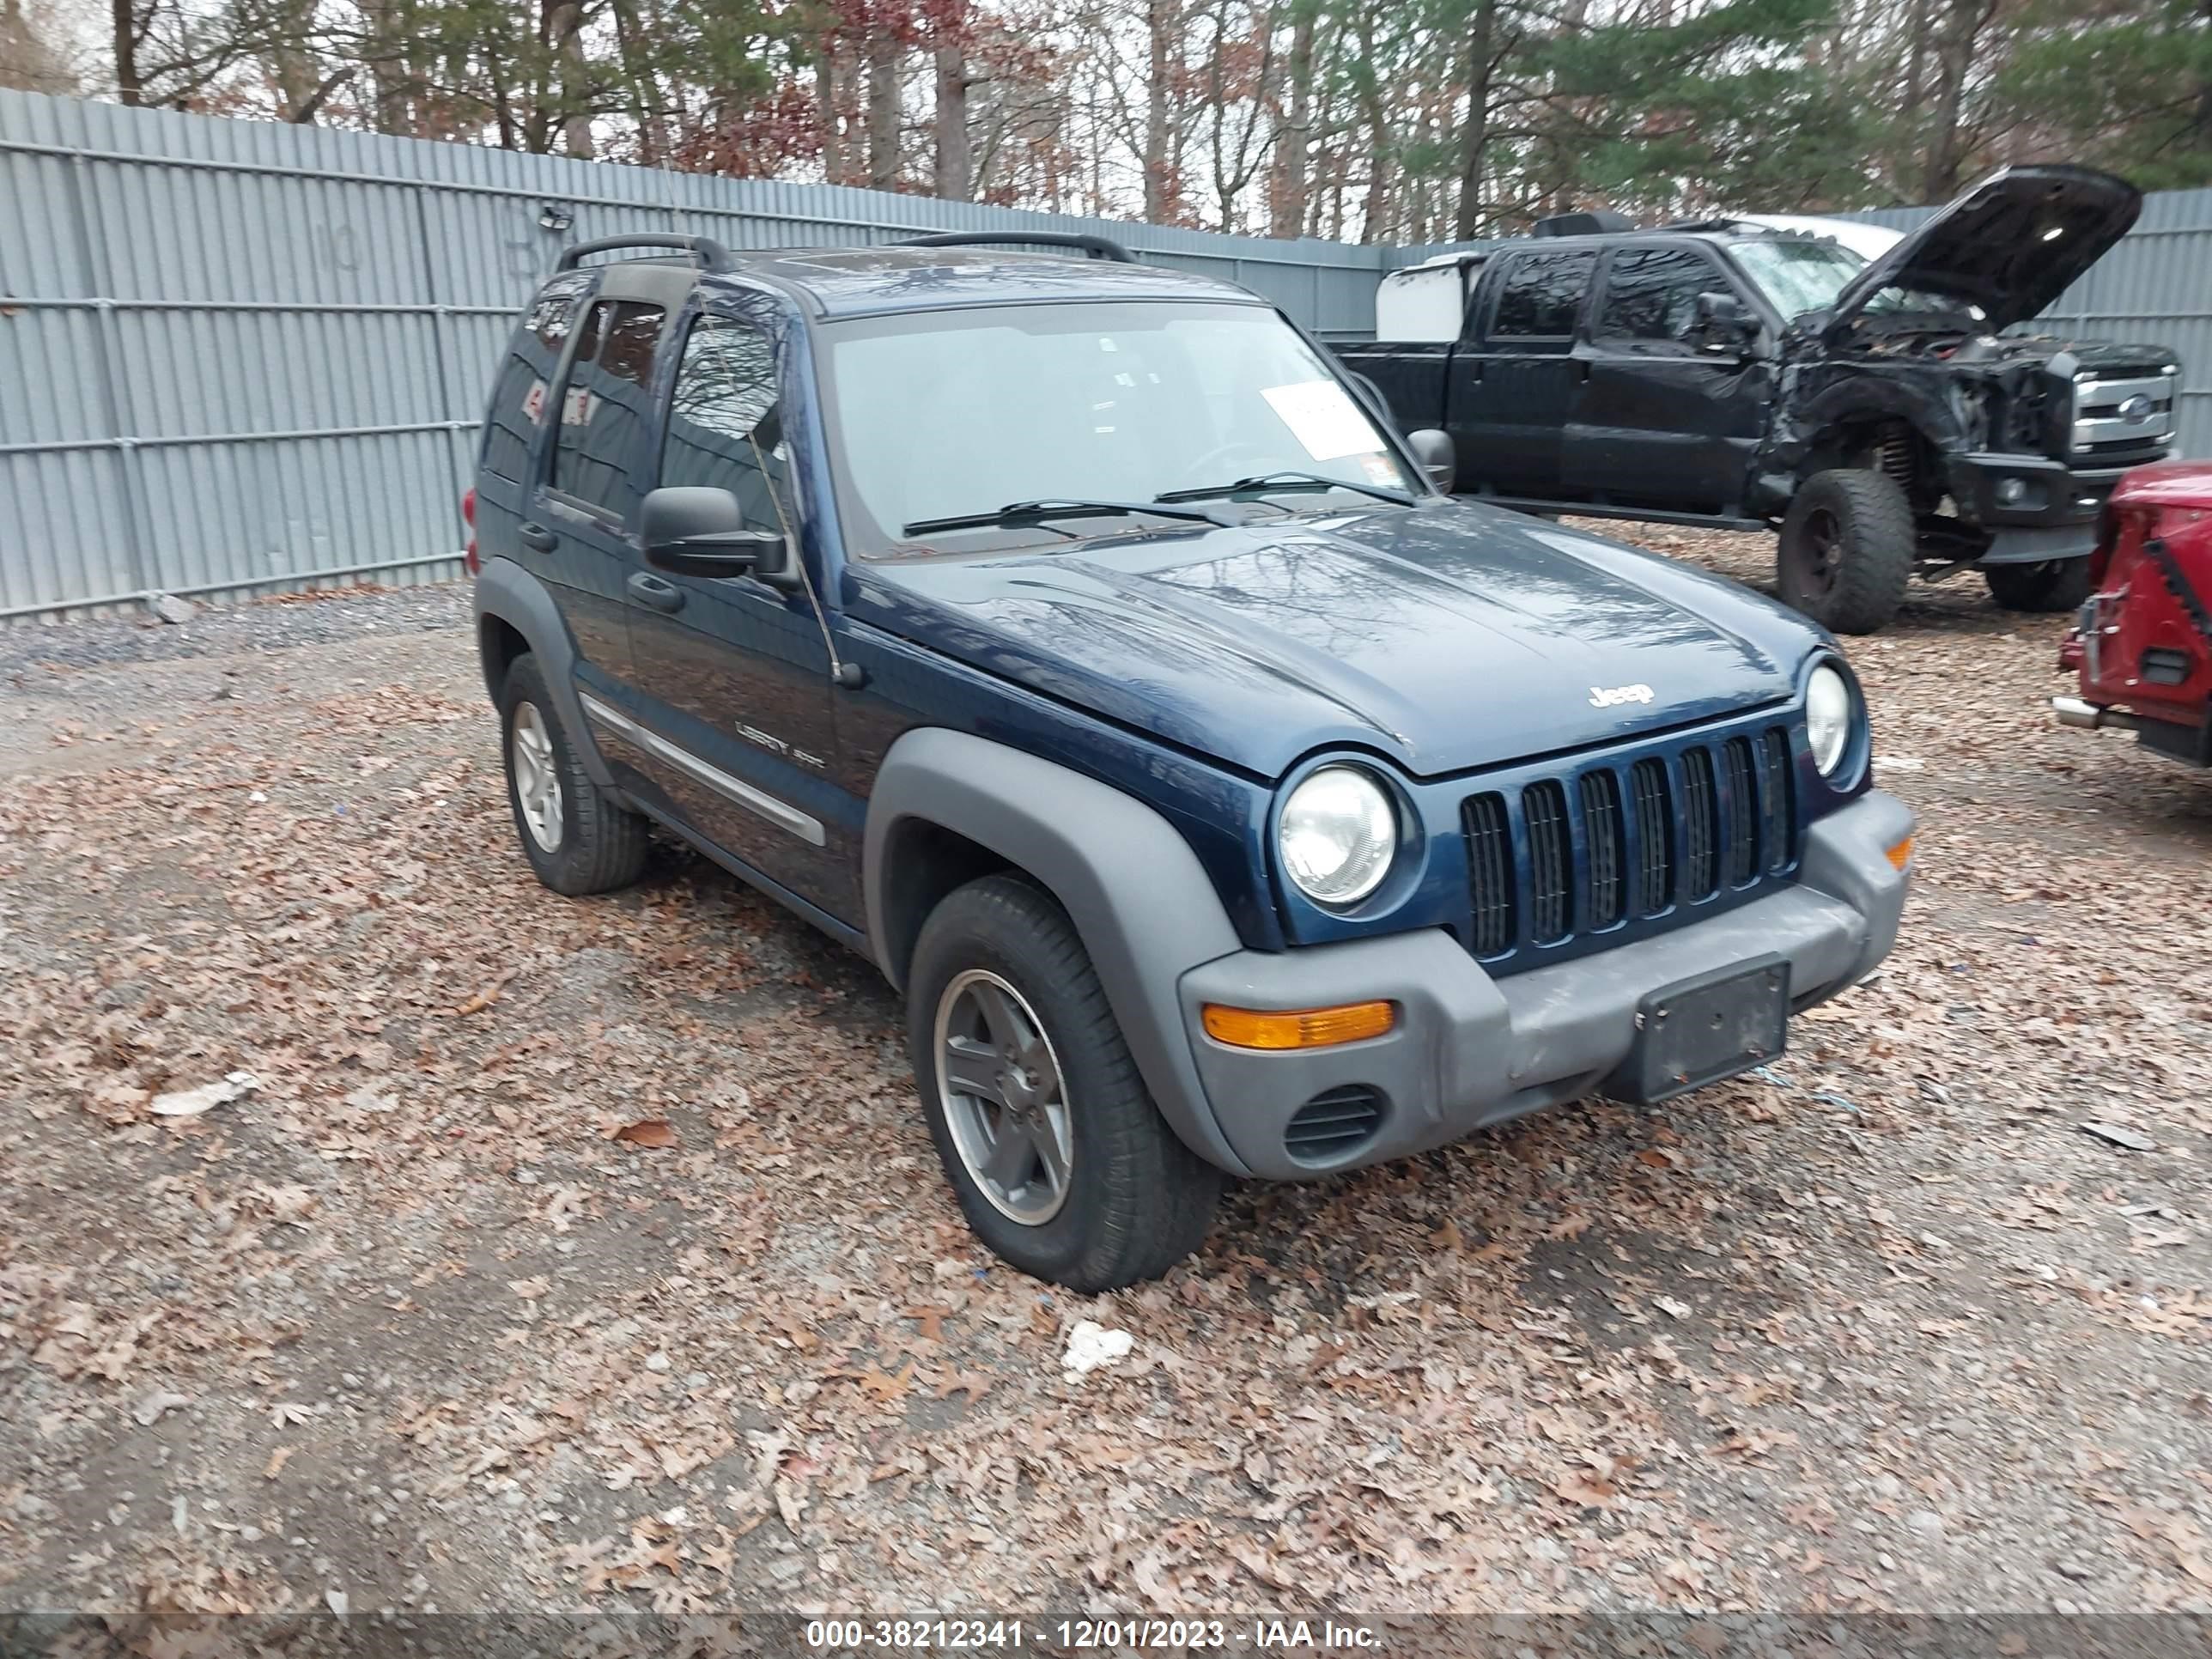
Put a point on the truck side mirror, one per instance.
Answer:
(1433, 450)
(1723, 323)
(693, 530)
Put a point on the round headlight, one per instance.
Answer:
(1337, 836)
(1828, 719)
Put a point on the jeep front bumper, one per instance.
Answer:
(1468, 1051)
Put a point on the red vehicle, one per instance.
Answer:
(2143, 643)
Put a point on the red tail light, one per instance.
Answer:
(468, 517)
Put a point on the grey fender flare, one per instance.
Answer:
(506, 591)
(1144, 907)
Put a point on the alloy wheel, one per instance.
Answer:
(537, 776)
(1003, 1098)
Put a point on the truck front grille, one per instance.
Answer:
(1627, 840)
(2123, 412)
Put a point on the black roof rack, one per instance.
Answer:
(709, 254)
(1098, 247)
(1594, 222)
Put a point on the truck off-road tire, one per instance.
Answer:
(1059, 1158)
(577, 840)
(2047, 585)
(1846, 550)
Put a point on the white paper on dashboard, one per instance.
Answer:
(1320, 417)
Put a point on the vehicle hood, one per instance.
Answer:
(1447, 636)
(2166, 484)
(1994, 247)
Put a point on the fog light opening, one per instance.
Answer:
(1304, 1028)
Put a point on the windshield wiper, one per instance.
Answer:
(1017, 513)
(1268, 484)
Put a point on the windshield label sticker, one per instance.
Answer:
(1380, 471)
(1321, 417)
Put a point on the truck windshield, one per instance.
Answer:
(1801, 275)
(954, 415)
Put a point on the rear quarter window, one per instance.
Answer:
(521, 394)
(604, 407)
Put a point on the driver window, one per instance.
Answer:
(1652, 297)
(724, 425)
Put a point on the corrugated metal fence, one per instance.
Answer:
(239, 357)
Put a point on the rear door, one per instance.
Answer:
(1510, 397)
(511, 455)
(1669, 414)
(589, 490)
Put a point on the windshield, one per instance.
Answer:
(954, 413)
(1801, 275)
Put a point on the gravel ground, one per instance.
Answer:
(585, 1255)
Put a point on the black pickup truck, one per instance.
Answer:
(1726, 373)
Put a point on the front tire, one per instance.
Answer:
(2051, 584)
(1846, 550)
(577, 838)
(1059, 1160)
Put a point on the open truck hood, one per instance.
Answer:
(2011, 245)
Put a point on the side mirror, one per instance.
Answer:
(691, 530)
(1433, 450)
(1724, 324)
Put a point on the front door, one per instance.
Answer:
(1511, 399)
(731, 675)
(1669, 414)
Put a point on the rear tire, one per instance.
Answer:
(1846, 550)
(1002, 988)
(578, 839)
(2049, 585)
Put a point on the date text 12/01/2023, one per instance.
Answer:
(854, 1635)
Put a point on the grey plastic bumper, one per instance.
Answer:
(1470, 1051)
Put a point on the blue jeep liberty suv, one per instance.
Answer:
(1072, 638)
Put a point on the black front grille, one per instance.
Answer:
(1774, 797)
(1490, 873)
(2163, 666)
(1601, 825)
(1700, 826)
(1655, 864)
(1551, 862)
(1334, 1124)
(1623, 842)
(1737, 798)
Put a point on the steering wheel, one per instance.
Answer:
(1215, 466)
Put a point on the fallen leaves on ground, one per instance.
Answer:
(1880, 1328)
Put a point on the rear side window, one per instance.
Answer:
(724, 428)
(1651, 293)
(604, 405)
(521, 396)
(1542, 295)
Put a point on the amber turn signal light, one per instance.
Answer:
(1901, 854)
(1306, 1028)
